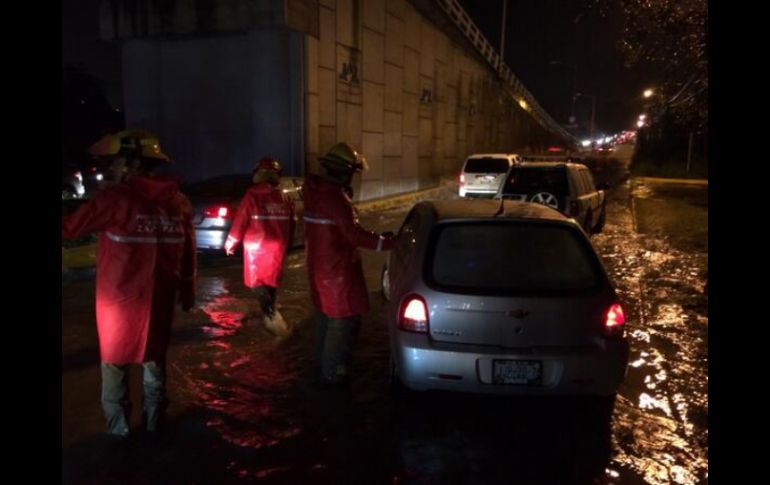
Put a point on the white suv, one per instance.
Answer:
(483, 173)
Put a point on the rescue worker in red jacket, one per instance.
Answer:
(145, 264)
(264, 223)
(333, 236)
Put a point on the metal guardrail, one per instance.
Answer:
(520, 93)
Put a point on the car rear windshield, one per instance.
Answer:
(510, 257)
(531, 180)
(486, 165)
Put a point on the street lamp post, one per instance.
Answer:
(649, 121)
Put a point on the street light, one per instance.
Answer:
(648, 93)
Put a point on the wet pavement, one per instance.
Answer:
(245, 406)
(660, 423)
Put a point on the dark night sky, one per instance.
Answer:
(540, 31)
(537, 32)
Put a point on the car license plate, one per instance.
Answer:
(517, 372)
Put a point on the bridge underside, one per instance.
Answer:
(228, 83)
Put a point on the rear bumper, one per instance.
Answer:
(477, 193)
(422, 366)
(212, 239)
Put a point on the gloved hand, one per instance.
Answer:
(230, 247)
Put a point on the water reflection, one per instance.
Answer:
(661, 421)
(239, 376)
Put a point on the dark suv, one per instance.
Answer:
(566, 187)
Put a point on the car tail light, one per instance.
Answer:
(462, 179)
(614, 321)
(413, 315)
(219, 211)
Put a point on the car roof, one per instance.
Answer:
(491, 155)
(489, 208)
(550, 164)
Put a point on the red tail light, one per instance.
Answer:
(220, 211)
(462, 179)
(614, 321)
(413, 315)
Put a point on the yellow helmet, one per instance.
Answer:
(343, 158)
(137, 143)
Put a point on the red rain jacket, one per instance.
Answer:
(332, 236)
(265, 223)
(145, 258)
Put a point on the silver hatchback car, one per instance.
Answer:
(501, 297)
